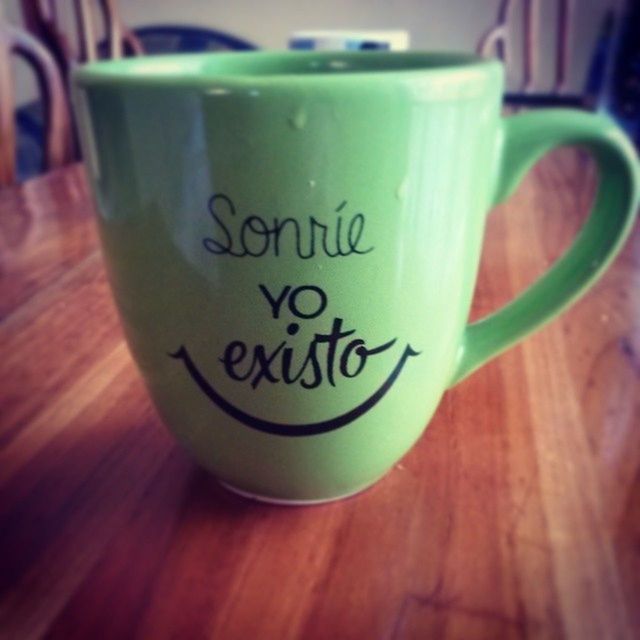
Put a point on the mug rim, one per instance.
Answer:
(257, 67)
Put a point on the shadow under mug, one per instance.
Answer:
(293, 239)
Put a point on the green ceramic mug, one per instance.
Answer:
(293, 239)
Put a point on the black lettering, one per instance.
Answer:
(229, 360)
(276, 303)
(356, 227)
(295, 309)
(358, 346)
(324, 229)
(312, 358)
(264, 361)
(258, 228)
(278, 226)
(255, 237)
(332, 340)
(214, 246)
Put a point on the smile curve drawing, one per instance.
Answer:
(283, 429)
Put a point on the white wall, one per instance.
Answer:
(433, 24)
(9, 10)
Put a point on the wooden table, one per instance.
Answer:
(516, 515)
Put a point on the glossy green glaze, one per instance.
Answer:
(293, 241)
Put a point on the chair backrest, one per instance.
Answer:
(92, 18)
(14, 41)
(168, 38)
(499, 39)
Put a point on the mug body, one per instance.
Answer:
(292, 240)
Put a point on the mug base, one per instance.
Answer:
(290, 502)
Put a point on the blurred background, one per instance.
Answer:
(580, 53)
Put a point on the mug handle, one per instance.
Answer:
(525, 138)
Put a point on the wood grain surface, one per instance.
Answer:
(517, 514)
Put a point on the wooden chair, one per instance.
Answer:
(57, 144)
(91, 18)
(499, 40)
